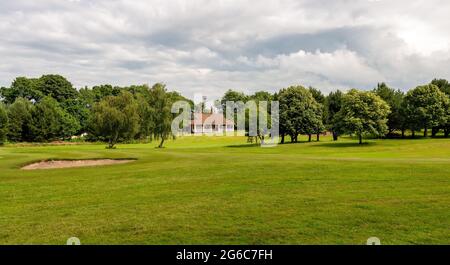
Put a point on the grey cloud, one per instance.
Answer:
(211, 46)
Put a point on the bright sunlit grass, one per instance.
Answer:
(220, 190)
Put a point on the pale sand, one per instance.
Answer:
(74, 163)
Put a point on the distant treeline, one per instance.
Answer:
(382, 112)
(49, 108)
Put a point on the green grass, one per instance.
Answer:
(219, 190)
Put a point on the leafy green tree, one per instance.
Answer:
(19, 114)
(299, 112)
(57, 87)
(333, 104)
(446, 122)
(139, 89)
(21, 87)
(3, 124)
(87, 96)
(442, 84)
(261, 96)
(115, 118)
(145, 116)
(363, 113)
(45, 124)
(100, 92)
(49, 121)
(175, 96)
(160, 113)
(78, 109)
(425, 107)
(234, 96)
(68, 125)
(257, 97)
(394, 98)
(320, 99)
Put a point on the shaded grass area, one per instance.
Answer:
(205, 190)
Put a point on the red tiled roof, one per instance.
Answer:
(211, 118)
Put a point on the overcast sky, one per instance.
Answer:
(211, 46)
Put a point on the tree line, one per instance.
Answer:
(49, 108)
(381, 112)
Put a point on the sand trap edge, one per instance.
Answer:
(73, 163)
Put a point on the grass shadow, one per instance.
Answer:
(344, 144)
(243, 145)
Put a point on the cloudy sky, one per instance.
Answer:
(211, 46)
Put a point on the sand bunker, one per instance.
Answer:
(74, 163)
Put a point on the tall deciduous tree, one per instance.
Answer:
(363, 113)
(45, 125)
(426, 107)
(299, 112)
(78, 109)
(22, 87)
(19, 114)
(145, 116)
(57, 87)
(115, 118)
(3, 123)
(160, 112)
(394, 99)
(68, 125)
(320, 98)
(333, 104)
(444, 86)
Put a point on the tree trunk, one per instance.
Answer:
(309, 137)
(113, 140)
(425, 132)
(403, 133)
(434, 131)
(110, 143)
(413, 133)
(335, 136)
(446, 132)
(162, 142)
(282, 138)
(360, 139)
(318, 137)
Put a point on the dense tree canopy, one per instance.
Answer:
(49, 108)
(425, 107)
(363, 113)
(49, 120)
(333, 104)
(320, 98)
(19, 114)
(394, 98)
(442, 84)
(299, 112)
(57, 87)
(3, 124)
(160, 103)
(22, 87)
(115, 118)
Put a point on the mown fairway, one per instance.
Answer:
(211, 190)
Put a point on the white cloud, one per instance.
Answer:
(211, 46)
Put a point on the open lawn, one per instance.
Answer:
(220, 190)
